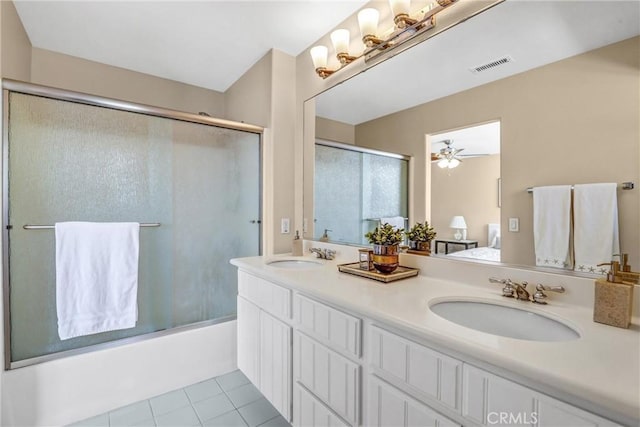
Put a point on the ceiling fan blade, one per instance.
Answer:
(435, 157)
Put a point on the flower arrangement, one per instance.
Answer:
(385, 234)
(421, 232)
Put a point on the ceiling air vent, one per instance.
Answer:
(490, 65)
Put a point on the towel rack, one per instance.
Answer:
(624, 186)
(46, 227)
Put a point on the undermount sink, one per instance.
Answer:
(505, 321)
(295, 264)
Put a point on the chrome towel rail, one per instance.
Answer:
(47, 227)
(623, 186)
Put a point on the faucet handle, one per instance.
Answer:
(541, 287)
(508, 290)
(540, 297)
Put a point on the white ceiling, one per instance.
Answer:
(533, 33)
(475, 140)
(206, 43)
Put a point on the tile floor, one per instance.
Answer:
(229, 400)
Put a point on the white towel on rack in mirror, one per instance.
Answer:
(552, 226)
(96, 277)
(395, 221)
(596, 238)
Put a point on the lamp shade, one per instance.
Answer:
(458, 222)
(319, 56)
(400, 7)
(368, 21)
(340, 39)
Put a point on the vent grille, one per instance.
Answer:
(493, 64)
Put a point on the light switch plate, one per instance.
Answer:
(514, 224)
(284, 226)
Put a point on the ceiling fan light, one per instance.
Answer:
(442, 163)
(453, 163)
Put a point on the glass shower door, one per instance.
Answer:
(73, 162)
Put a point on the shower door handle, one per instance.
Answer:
(255, 221)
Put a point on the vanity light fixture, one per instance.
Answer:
(405, 28)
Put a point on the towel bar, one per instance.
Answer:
(623, 186)
(46, 227)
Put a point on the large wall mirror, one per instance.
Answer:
(564, 89)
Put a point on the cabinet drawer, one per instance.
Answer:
(426, 371)
(310, 412)
(339, 330)
(270, 297)
(489, 400)
(389, 407)
(332, 378)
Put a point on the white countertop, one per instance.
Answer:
(599, 372)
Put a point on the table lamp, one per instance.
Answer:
(460, 225)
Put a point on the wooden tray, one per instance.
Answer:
(399, 273)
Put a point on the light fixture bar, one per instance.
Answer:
(424, 21)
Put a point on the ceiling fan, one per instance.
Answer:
(448, 157)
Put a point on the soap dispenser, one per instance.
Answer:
(325, 236)
(296, 248)
(613, 299)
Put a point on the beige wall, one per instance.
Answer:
(68, 72)
(333, 130)
(570, 122)
(16, 48)
(470, 190)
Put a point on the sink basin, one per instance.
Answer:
(505, 321)
(295, 264)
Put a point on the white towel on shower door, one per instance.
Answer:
(96, 277)
(596, 238)
(552, 226)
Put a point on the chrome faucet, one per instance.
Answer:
(323, 253)
(519, 291)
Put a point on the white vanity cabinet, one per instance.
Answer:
(327, 346)
(321, 365)
(489, 400)
(264, 339)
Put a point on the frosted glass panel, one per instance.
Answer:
(353, 189)
(73, 162)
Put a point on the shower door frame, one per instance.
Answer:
(16, 86)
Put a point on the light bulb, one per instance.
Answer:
(319, 56)
(442, 163)
(340, 39)
(453, 163)
(399, 7)
(368, 21)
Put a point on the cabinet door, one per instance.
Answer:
(310, 412)
(331, 377)
(249, 340)
(275, 363)
(426, 372)
(389, 407)
(491, 400)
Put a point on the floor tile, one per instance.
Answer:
(232, 380)
(131, 414)
(145, 423)
(278, 421)
(244, 395)
(258, 412)
(213, 407)
(169, 402)
(97, 421)
(203, 390)
(182, 417)
(230, 419)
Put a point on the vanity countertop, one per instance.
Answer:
(599, 372)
